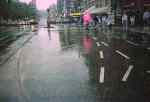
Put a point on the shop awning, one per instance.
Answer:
(91, 8)
(94, 10)
(100, 10)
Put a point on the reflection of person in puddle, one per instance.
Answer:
(88, 53)
(87, 44)
(49, 33)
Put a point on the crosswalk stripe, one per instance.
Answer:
(125, 77)
(132, 43)
(105, 44)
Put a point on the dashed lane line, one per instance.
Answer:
(148, 48)
(98, 44)
(94, 38)
(148, 71)
(102, 71)
(122, 54)
(132, 43)
(105, 44)
(101, 54)
(125, 77)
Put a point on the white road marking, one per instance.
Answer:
(148, 71)
(98, 44)
(148, 48)
(101, 79)
(125, 77)
(101, 54)
(94, 38)
(122, 54)
(132, 43)
(105, 44)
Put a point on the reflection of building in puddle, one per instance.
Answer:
(65, 39)
(23, 27)
(33, 28)
(54, 43)
(69, 37)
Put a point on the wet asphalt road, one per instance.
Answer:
(69, 64)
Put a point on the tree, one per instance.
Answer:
(16, 10)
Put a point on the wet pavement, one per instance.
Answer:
(66, 63)
(12, 38)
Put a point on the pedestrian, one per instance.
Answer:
(81, 19)
(95, 19)
(146, 18)
(48, 18)
(103, 22)
(99, 20)
(132, 20)
(86, 19)
(125, 22)
(109, 21)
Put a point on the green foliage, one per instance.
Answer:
(16, 10)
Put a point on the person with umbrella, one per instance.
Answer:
(86, 19)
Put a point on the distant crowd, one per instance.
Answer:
(106, 20)
(94, 20)
(131, 19)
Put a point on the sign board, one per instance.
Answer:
(75, 14)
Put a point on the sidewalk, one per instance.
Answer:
(145, 30)
(142, 30)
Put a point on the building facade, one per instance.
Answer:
(60, 6)
(66, 7)
(136, 8)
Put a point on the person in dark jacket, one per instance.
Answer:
(95, 19)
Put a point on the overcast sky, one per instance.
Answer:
(42, 4)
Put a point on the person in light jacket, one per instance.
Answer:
(125, 22)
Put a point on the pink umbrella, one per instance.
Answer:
(86, 18)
